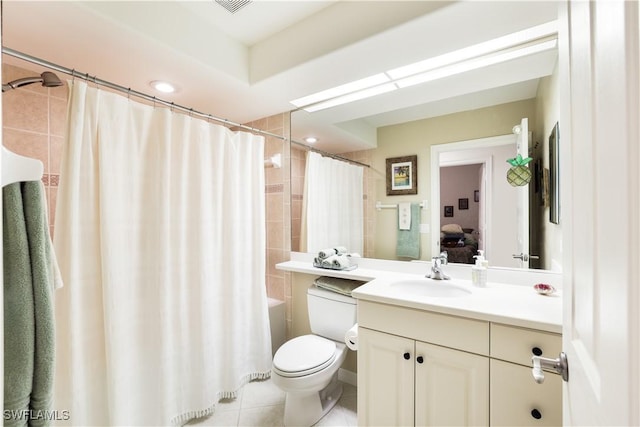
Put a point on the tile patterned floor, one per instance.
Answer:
(261, 404)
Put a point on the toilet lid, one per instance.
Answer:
(304, 355)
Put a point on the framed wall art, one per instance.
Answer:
(554, 172)
(402, 175)
(448, 211)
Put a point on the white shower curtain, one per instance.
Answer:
(333, 205)
(160, 237)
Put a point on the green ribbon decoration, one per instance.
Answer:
(519, 161)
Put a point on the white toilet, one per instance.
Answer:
(306, 367)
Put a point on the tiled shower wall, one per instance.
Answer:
(33, 125)
(278, 208)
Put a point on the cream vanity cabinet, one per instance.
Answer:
(516, 399)
(423, 368)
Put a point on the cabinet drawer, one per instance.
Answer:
(441, 329)
(517, 400)
(518, 345)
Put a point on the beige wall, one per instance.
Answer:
(548, 114)
(33, 125)
(417, 137)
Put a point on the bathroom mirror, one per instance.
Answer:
(478, 104)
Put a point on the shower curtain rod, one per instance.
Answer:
(172, 105)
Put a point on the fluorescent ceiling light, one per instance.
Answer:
(341, 90)
(366, 93)
(474, 51)
(477, 63)
(502, 49)
(311, 140)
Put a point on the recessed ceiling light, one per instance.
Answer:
(311, 139)
(163, 87)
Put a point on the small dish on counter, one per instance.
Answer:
(544, 289)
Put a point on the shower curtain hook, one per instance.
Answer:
(154, 102)
(73, 75)
(129, 94)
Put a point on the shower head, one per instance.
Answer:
(48, 79)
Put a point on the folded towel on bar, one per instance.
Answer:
(326, 253)
(30, 276)
(404, 216)
(341, 286)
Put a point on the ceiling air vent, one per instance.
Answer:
(233, 5)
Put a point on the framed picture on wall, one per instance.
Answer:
(463, 204)
(448, 211)
(402, 175)
(476, 196)
(554, 172)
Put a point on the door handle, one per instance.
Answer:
(559, 366)
(525, 257)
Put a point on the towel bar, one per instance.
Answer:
(380, 205)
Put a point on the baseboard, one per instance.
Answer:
(348, 377)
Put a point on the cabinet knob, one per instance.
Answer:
(420, 359)
(406, 356)
(537, 351)
(536, 414)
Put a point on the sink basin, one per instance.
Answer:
(431, 288)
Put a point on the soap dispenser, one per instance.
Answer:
(479, 270)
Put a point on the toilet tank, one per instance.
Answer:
(331, 314)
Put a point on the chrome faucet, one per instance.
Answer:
(436, 267)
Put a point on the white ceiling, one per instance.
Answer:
(250, 64)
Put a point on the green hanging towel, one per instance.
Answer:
(408, 244)
(29, 279)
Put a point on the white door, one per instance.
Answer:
(385, 379)
(600, 157)
(522, 206)
(452, 387)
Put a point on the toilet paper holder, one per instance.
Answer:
(351, 338)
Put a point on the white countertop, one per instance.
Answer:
(512, 304)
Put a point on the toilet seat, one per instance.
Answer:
(304, 355)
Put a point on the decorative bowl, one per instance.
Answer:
(544, 289)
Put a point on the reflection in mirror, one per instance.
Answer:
(332, 214)
(462, 170)
(417, 137)
(481, 103)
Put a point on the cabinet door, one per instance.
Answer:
(385, 379)
(452, 387)
(517, 400)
